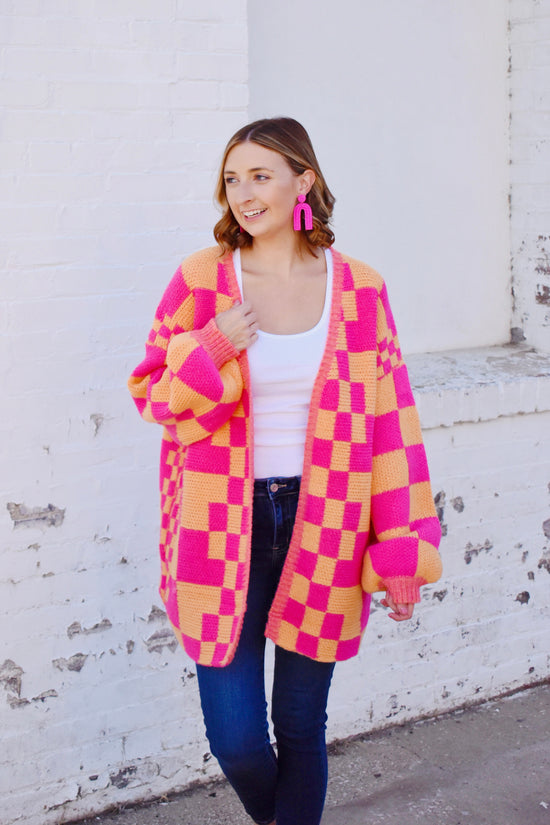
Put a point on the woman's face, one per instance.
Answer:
(262, 190)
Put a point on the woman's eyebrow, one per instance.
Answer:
(254, 169)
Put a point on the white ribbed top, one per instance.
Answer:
(282, 372)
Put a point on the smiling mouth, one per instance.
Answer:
(253, 213)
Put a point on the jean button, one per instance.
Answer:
(274, 487)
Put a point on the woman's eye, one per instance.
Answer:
(229, 181)
(262, 177)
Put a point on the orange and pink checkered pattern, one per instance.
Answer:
(366, 519)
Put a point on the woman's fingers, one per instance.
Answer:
(239, 325)
(401, 611)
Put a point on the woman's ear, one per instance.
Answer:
(307, 179)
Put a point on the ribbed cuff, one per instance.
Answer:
(404, 589)
(217, 345)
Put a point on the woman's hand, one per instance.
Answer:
(401, 612)
(238, 324)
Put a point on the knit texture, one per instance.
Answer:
(366, 519)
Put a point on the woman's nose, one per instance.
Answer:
(245, 192)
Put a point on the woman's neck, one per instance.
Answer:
(284, 255)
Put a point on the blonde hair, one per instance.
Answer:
(289, 138)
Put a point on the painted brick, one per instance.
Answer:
(186, 35)
(210, 10)
(188, 96)
(530, 33)
(13, 155)
(89, 94)
(527, 28)
(21, 94)
(232, 65)
(138, 10)
(19, 124)
(234, 95)
(86, 30)
(228, 38)
(24, 62)
(134, 66)
(104, 196)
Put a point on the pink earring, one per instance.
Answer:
(304, 207)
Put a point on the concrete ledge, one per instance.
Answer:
(410, 773)
(479, 384)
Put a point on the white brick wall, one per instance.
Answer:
(530, 169)
(114, 117)
(483, 628)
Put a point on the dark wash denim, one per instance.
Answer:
(291, 785)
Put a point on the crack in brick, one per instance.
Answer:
(122, 778)
(75, 663)
(156, 614)
(22, 516)
(46, 694)
(473, 551)
(97, 419)
(439, 501)
(76, 628)
(160, 639)
(10, 676)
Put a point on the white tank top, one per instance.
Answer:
(282, 372)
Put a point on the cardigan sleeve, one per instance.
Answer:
(405, 533)
(189, 380)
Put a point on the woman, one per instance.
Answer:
(293, 476)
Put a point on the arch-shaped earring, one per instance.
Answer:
(304, 207)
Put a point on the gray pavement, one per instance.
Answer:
(488, 765)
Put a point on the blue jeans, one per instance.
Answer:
(291, 785)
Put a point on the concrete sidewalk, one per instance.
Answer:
(489, 765)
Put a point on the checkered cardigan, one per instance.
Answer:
(366, 519)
